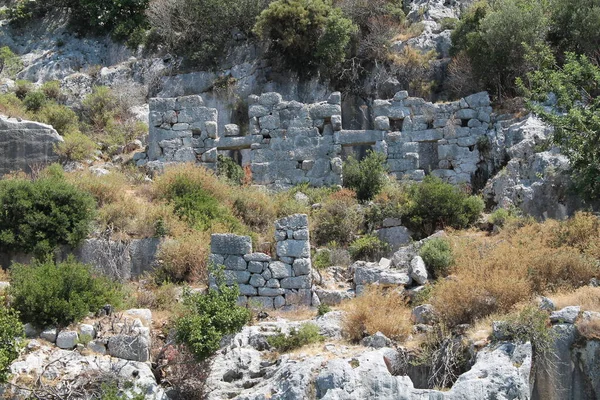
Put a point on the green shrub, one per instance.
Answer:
(228, 168)
(52, 90)
(111, 391)
(368, 248)
(322, 259)
(502, 216)
(366, 177)
(58, 294)
(307, 334)
(209, 317)
(75, 147)
(22, 88)
(323, 309)
(574, 26)
(62, 118)
(100, 107)
(435, 204)
(38, 216)
(35, 100)
(437, 255)
(11, 106)
(11, 330)
(307, 33)
(529, 325)
(10, 63)
(495, 37)
(339, 219)
(212, 22)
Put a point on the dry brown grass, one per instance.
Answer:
(185, 259)
(199, 176)
(4, 275)
(492, 274)
(377, 310)
(587, 297)
(301, 313)
(589, 329)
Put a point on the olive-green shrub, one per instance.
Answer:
(58, 294)
(366, 177)
(437, 255)
(368, 248)
(37, 216)
(11, 330)
(208, 318)
(307, 333)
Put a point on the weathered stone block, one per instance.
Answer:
(280, 270)
(228, 243)
(257, 280)
(297, 282)
(235, 263)
(301, 234)
(240, 277)
(129, 347)
(298, 297)
(256, 267)
(301, 266)
(67, 340)
(273, 283)
(293, 248)
(293, 222)
(271, 292)
(269, 99)
(247, 290)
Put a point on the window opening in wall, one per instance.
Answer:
(196, 133)
(396, 124)
(358, 151)
(464, 123)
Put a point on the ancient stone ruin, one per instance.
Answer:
(288, 142)
(265, 281)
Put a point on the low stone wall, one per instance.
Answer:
(264, 281)
(288, 142)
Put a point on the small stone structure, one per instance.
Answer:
(288, 142)
(267, 282)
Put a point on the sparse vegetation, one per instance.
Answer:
(296, 338)
(368, 248)
(366, 177)
(437, 255)
(11, 330)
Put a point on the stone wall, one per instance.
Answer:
(288, 142)
(266, 282)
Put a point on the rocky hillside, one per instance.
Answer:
(292, 199)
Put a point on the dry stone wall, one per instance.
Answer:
(289, 142)
(267, 282)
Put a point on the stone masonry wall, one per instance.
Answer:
(267, 282)
(291, 142)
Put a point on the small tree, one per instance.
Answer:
(366, 177)
(575, 114)
(209, 317)
(49, 294)
(11, 330)
(307, 33)
(437, 255)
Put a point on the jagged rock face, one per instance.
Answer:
(535, 181)
(24, 144)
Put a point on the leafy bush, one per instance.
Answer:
(323, 309)
(389, 203)
(212, 20)
(437, 255)
(10, 63)
(22, 88)
(377, 310)
(52, 90)
(62, 118)
(49, 294)
(255, 209)
(307, 33)
(369, 248)
(101, 107)
(576, 125)
(209, 317)
(495, 37)
(228, 168)
(530, 324)
(11, 330)
(307, 334)
(35, 100)
(11, 106)
(75, 147)
(366, 177)
(434, 204)
(38, 216)
(322, 259)
(184, 259)
(339, 219)
(574, 26)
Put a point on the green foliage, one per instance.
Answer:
(322, 259)
(323, 309)
(10, 63)
(307, 334)
(503, 216)
(52, 90)
(111, 391)
(34, 100)
(339, 220)
(196, 205)
(368, 248)
(209, 317)
(435, 204)
(366, 177)
(62, 118)
(38, 216)
(58, 294)
(437, 255)
(201, 29)
(574, 26)
(100, 107)
(75, 147)
(494, 38)
(22, 88)
(306, 33)
(11, 330)
(576, 117)
(529, 325)
(228, 168)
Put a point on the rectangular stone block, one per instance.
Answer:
(280, 270)
(247, 290)
(298, 297)
(292, 222)
(293, 248)
(271, 292)
(228, 243)
(235, 263)
(297, 282)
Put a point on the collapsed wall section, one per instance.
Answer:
(264, 281)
